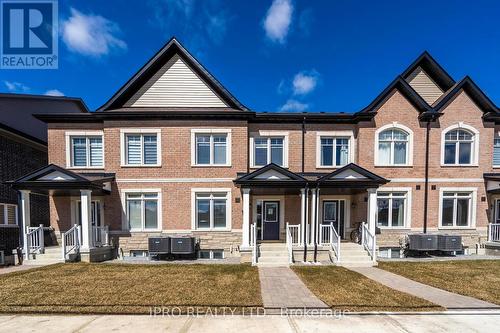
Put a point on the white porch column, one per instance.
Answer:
(302, 215)
(245, 242)
(318, 212)
(372, 209)
(26, 215)
(87, 239)
(314, 225)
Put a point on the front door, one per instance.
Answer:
(271, 220)
(333, 213)
(95, 213)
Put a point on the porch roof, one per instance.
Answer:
(55, 180)
(351, 176)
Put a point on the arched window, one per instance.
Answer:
(459, 147)
(393, 147)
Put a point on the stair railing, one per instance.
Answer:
(368, 241)
(335, 242)
(35, 240)
(71, 241)
(253, 242)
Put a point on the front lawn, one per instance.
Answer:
(476, 278)
(129, 288)
(343, 289)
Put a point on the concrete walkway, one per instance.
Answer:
(276, 324)
(18, 268)
(446, 299)
(282, 288)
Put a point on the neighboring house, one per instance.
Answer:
(23, 148)
(173, 152)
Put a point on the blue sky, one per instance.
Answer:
(281, 55)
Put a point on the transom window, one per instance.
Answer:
(268, 150)
(211, 210)
(86, 151)
(334, 151)
(211, 149)
(142, 211)
(458, 147)
(8, 214)
(456, 209)
(393, 147)
(141, 149)
(391, 209)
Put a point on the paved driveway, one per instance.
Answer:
(485, 322)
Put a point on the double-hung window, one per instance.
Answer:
(393, 147)
(456, 208)
(8, 214)
(392, 209)
(268, 150)
(211, 210)
(142, 211)
(141, 148)
(334, 151)
(211, 149)
(86, 151)
(458, 147)
(496, 152)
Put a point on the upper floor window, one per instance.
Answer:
(141, 148)
(393, 147)
(459, 145)
(211, 147)
(496, 152)
(84, 150)
(268, 150)
(334, 151)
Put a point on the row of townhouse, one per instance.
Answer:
(173, 152)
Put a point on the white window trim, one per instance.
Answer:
(5, 217)
(335, 134)
(408, 209)
(195, 191)
(69, 153)
(472, 210)
(475, 144)
(123, 195)
(210, 131)
(268, 134)
(123, 146)
(409, 151)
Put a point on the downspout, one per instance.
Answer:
(306, 188)
(315, 220)
(249, 149)
(426, 189)
(303, 142)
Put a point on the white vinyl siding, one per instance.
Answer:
(175, 85)
(424, 85)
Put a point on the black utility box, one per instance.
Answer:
(183, 245)
(9, 238)
(449, 243)
(423, 242)
(158, 245)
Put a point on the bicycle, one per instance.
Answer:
(356, 233)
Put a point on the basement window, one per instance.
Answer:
(211, 254)
(389, 252)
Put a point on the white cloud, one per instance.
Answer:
(16, 86)
(305, 82)
(293, 105)
(91, 35)
(54, 92)
(278, 20)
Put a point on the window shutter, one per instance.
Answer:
(133, 149)
(150, 149)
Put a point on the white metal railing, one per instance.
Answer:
(494, 232)
(368, 240)
(324, 234)
(35, 240)
(334, 241)
(294, 230)
(253, 242)
(101, 235)
(71, 241)
(289, 243)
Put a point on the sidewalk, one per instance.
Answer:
(282, 288)
(276, 324)
(446, 299)
(18, 268)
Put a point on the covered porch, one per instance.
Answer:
(310, 212)
(83, 233)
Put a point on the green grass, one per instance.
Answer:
(476, 278)
(128, 288)
(343, 289)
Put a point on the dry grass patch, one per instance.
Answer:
(122, 288)
(475, 278)
(343, 289)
